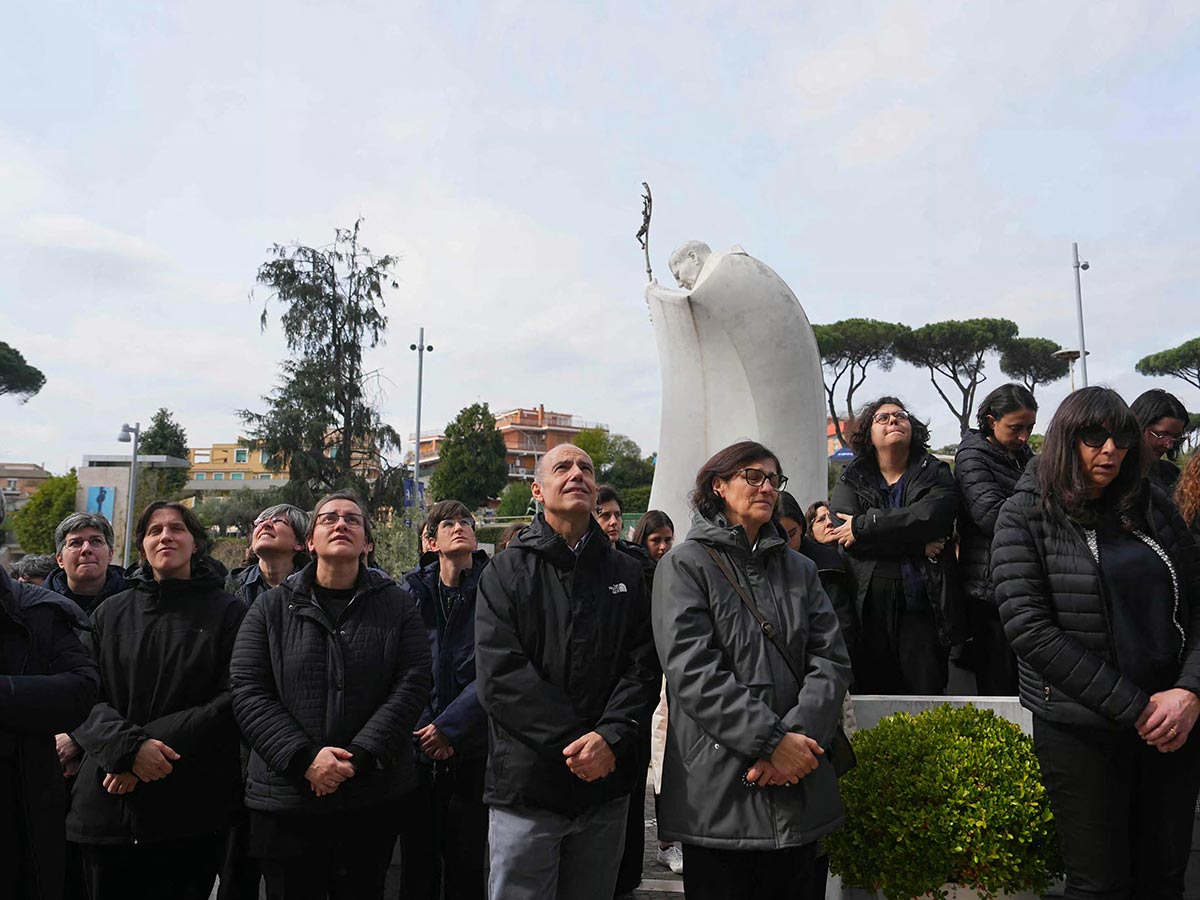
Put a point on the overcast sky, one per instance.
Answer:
(901, 161)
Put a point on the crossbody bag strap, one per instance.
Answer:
(768, 629)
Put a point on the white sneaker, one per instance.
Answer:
(671, 858)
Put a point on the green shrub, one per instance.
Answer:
(953, 795)
(397, 545)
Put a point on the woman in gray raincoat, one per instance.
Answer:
(756, 671)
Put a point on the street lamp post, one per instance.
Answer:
(1070, 356)
(422, 348)
(130, 434)
(1079, 315)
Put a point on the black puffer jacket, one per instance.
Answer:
(163, 650)
(1056, 616)
(987, 476)
(563, 647)
(48, 684)
(302, 682)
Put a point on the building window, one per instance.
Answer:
(264, 458)
(12, 484)
(200, 476)
(238, 476)
(262, 475)
(218, 476)
(241, 456)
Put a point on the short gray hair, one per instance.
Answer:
(35, 565)
(297, 518)
(79, 521)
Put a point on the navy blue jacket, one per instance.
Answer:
(453, 705)
(114, 582)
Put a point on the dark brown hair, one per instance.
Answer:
(1060, 475)
(810, 514)
(650, 522)
(789, 507)
(441, 511)
(338, 495)
(199, 535)
(509, 532)
(860, 437)
(725, 464)
(1156, 404)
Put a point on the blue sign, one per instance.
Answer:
(100, 500)
(842, 454)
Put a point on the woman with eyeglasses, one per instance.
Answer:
(986, 467)
(330, 672)
(1099, 589)
(893, 508)
(1163, 420)
(747, 784)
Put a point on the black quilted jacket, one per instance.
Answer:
(302, 682)
(1056, 616)
(987, 476)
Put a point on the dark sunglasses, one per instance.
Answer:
(1097, 436)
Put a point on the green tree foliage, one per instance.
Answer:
(956, 351)
(1181, 362)
(472, 461)
(617, 458)
(34, 523)
(238, 510)
(848, 348)
(164, 437)
(594, 442)
(397, 544)
(515, 499)
(321, 425)
(17, 376)
(637, 500)
(1031, 361)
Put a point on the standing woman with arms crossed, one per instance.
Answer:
(986, 467)
(894, 509)
(1099, 587)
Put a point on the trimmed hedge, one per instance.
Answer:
(953, 795)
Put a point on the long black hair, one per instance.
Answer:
(1008, 398)
(1156, 404)
(860, 437)
(1060, 475)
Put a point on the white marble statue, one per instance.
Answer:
(738, 360)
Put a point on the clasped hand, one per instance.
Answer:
(590, 757)
(153, 762)
(433, 743)
(794, 757)
(1168, 719)
(330, 767)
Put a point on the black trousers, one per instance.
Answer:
(241, 874)
(899, 651)
(711, 874)
(629, 873)
(1123, 810)
(182, 870)
(443, 838)
(995, 662)
(344, 856)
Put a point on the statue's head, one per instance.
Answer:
(687, 261)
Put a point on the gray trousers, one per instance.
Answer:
(539, 855)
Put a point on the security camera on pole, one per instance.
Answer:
(421, 349)
(1083, 353)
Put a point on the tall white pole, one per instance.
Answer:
(1079, 316)
(129, 500)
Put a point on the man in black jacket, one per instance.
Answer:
(47, 684)
(567, 673)
(444, 833)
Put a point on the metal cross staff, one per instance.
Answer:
(643, 235)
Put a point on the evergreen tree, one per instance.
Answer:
(472, 461)
(17, 376)
(34, 523)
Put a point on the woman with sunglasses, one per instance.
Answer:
(1099, 589)
(747, 783)
(894, 509)
(1163, 420)
(986, 467)
(330, 672)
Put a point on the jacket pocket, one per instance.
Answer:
(694, 752)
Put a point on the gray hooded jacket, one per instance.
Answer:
(731, 697)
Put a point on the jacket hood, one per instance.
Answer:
(426, 573)
(538, 537)
(301, 582)
(114, 582)
(732, 538)
(975, 441)
(17, 597)
(207, 574)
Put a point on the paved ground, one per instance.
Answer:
(658, 882)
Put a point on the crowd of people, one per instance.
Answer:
(174, 727)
